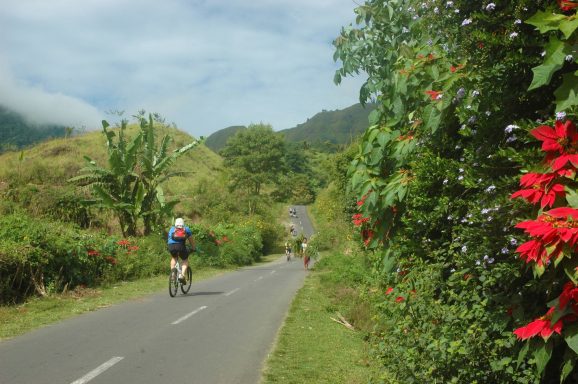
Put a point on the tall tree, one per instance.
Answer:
(255, 157)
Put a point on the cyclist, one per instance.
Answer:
(288, 250)
(178, 235)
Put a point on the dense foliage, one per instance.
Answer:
(458, 84)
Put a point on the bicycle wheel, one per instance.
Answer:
(185, 287)
(173, 282)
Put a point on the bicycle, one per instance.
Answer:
(288, 254)
(175, 282)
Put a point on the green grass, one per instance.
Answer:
(311, 347)
(38, 312)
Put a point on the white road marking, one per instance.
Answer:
(258, 278)
(185, 317)
(97, 371)
(231, 292)
(272, 272)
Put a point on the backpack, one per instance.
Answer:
(179, 234)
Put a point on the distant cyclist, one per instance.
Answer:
(178, 235)
(288, 250)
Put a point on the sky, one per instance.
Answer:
(202, 64)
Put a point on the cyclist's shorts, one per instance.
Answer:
(179, 249)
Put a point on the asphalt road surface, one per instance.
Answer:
(221, 332)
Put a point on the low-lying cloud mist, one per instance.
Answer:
(40, 107)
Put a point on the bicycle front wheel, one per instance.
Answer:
(173, 282)
(187, 286)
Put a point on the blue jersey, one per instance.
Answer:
(172, 230)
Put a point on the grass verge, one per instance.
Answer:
(313, 348)
(38, 312)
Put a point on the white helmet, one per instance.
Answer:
(179, 222)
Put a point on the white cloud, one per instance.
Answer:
(203, 64)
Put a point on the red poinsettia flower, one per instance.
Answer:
(389, 290)
(434, 95)
(567, 5)
(538, 189)
(358, 219)
(399, 299)
(557, 138)
(367, 235)
(541, 326)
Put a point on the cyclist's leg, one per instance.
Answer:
(185, 261)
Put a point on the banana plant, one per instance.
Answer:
(131, 184)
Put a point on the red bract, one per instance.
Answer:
(434, 95)
(533, 250)
(557, 138)
(566, 5)
(358, 219)
(538, 189)
(389, 290)
(541, 326)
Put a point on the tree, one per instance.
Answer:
(131, 185)
(255, 157)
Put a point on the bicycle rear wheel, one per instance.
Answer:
(173, 282)
(186, 287)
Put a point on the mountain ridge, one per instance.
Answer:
(325, 130)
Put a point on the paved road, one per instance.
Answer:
(221, 332)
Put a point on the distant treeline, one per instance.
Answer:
(16, 132)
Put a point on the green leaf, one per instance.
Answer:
(542, 355)
(554, 60)
(566, 94)
(522, 354)
(567, 368)
(568, 26)
(546, 21)
(432, 118)
(571, 337)
(571, 197)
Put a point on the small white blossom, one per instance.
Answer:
(475, 93)
(511, 139)
(452, 270)
(457, 11)
(490, 218)
(460, 170)
(445, 181)
(405, 30)
(569, 58)
(513, 241)
(491, 260)
(464, 248)
(491, 188)
(505, 250)
(488, 113)
(513, 35)
(490, 7)
(460, 178)
(510, 128)
(466, 22)
(485, 211)
(560, 115)
(518, 21)
(543, 53)
(436, 10)
(450, 217)
(449, 4)
(478, 262)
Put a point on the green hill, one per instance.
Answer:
(39, 173)
(331, 127)
(16, 132)
(217, 140)
(325, 130)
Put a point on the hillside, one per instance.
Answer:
(16, 132)
(324, 131)
(41, 171)
(217, 140)
(335, 127)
